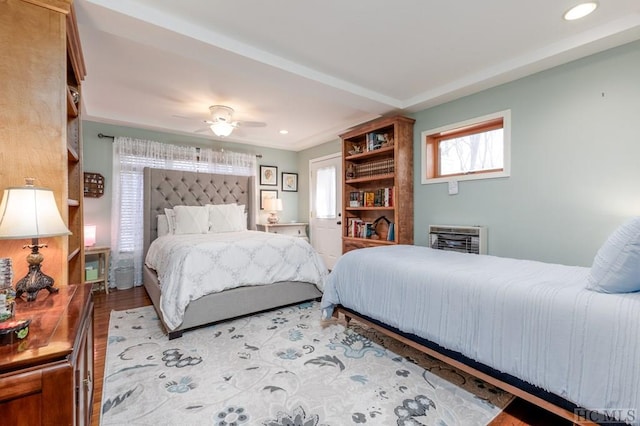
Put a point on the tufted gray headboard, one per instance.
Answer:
(169, 188)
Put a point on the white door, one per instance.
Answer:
(325, 217)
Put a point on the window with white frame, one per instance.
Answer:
(474, 149)
(325, 201)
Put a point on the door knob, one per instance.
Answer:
(339, 222)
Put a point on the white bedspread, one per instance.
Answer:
(191, 266)
(533, 320)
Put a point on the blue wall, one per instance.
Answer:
(575, 164)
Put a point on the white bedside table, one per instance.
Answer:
(296, 229)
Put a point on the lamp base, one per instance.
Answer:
(35, 280)
(272, 219)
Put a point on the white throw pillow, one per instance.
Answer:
(226, 218)
(171, 220)
(616, 267)
(163, 225)
(191, 219)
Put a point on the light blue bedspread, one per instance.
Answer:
(533, 320)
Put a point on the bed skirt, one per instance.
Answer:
(232, 303)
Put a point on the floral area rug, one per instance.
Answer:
(281, 368)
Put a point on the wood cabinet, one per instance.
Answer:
(40, 131)
(293, 229)
(378, 183)
(47, 378)
(75, 74)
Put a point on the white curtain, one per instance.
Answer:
(225, 162)
(130, 157)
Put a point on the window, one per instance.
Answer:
(325, 202)
(130, 158)
(474, 149)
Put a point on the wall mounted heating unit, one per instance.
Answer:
(465, 239)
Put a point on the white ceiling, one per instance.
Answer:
(317, 68)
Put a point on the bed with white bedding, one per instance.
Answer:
(539, 330)
(193, 265)
(204, 261)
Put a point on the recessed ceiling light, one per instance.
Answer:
(580, 11)
(284, 132)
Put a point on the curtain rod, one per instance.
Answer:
(102, 136)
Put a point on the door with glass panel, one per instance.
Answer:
(325, 178)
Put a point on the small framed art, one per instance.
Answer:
(290, 182)
(266, 194)
(269, 175)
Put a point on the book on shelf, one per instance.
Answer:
(391, 235)
(371, 168)
(354, 199)
(375, 140)
(353, 225)
(388, 197)
(369, 199)
(357, 228)
(381, 197)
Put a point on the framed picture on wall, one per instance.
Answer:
(266, 194)
(290, 182)
(269, 175)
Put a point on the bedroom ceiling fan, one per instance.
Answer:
(222, 123)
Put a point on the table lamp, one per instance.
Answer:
(31, 212)
(273, 205)
(89, 235)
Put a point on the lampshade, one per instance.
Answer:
(89, 235)
(222, 128)
(273, 204)
(30, 212)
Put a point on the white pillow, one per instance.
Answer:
(616, 267)
(163, 225)
(171, 220)
(227, 218)
(191, 219)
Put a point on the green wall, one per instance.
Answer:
(97, 157)
(575, 164)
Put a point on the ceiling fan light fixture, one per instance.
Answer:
(580, 11)
(222, 128)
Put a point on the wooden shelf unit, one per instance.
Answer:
(370, 170)
(75, 74)
(99, 255)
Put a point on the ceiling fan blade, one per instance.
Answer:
(202, 130)
(250, 124)
(185, 117)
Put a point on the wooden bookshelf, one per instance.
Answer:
(377, 159)
(75, 75)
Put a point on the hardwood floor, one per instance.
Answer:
(519, 413)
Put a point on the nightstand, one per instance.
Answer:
(100, 274)
(295, 229)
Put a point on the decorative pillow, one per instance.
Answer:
(616, 267)
(227, 218)
(163, 225)
(171, 220)
(191, 219)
